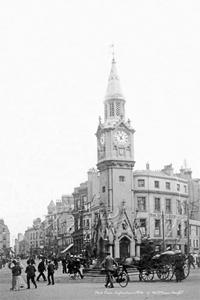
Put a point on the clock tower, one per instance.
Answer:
(115, 155)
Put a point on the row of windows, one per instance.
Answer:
(141, 183)
(35, 235)
(81, 203)
(157, 227)
(181, 207)
(194, 244)
(82, 223)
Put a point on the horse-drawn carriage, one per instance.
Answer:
(163, 265)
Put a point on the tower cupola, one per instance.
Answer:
(114, 100)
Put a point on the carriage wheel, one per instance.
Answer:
(147, 275)
(163, 272)
(123, 279)
(171, 272)
(186, 270)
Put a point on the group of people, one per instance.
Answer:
(16, 268)
(72, 265)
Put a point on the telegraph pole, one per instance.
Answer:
(188, 229)
(163, 230)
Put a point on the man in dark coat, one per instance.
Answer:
(41, 269)
(50, 270)
(179, 267)
(108, 265)
(30, 271)
(77, 266)
(64, 265)
(70, 265)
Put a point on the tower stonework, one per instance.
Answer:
(115, 156)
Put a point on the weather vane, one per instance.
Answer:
(113, 50)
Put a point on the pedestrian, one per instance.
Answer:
(50, 275)
(77, 266)
(41, 269)
(191, 260)
(30, 271)
(70, 265)
(64, 265)
(31, 260)
(3, 261)
(55, 261)
(108, 265)
(22, 283)
(16, 272)
(179, 267)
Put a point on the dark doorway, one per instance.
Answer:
(124, 247)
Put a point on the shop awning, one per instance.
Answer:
(68, 247)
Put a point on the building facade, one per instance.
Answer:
(193, 208)
(84, 198)
(58, 225)
(161, 201)
(33, 239)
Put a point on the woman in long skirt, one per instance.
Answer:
(22, 283)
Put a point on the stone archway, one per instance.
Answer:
(124, 247)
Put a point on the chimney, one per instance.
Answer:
(186, 173)
(168, 170)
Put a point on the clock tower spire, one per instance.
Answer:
(114, 100)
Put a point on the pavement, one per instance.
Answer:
(90, 288)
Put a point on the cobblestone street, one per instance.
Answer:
(90, 288)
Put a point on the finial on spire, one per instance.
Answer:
(113, 51)
(123, 205)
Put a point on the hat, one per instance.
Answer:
(108, 253)
(177, 251)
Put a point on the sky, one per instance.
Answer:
(55, 59)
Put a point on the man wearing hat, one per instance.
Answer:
(108, 265)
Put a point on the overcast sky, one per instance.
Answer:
(55, 61)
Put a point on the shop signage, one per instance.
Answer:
(168, 216)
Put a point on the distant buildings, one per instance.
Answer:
(4, 238)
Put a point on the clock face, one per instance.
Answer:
(121, 138)
(102, 139)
